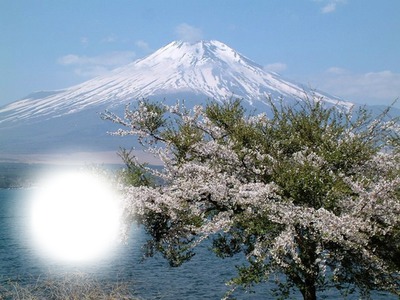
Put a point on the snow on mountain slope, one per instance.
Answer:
(209, 69)
(69, 120)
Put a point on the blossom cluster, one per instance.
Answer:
(311, 201)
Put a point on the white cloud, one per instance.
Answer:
(84, 41)
(69, 59)
(142, 45)
(90, 66)
(276, 67)
(336, 70)
(366, 88)
(91, 71)
(109, 39)
(188, 33)
(329, 6)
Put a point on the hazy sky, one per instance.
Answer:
(349, 48)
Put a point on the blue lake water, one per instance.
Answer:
(203, 277)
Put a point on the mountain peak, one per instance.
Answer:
(193, 52)
(206, 49)
(180, 43)
(206, 68)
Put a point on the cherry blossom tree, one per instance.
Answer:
(310, 195)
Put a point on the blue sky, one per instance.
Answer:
(349, 48)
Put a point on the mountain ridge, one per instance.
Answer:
(208, 68)
(195, 72)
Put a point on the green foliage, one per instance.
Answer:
(182, 138)
(153, 116)
(135, 173)
(320, 162)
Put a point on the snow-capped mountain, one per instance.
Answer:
(194, 71)
(209, 69)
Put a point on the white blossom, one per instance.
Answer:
(221, 185)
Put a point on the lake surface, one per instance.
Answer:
(203, 277)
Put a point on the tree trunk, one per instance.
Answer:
(309, 291)
(307, 254)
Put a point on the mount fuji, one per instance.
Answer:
(196, 72)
